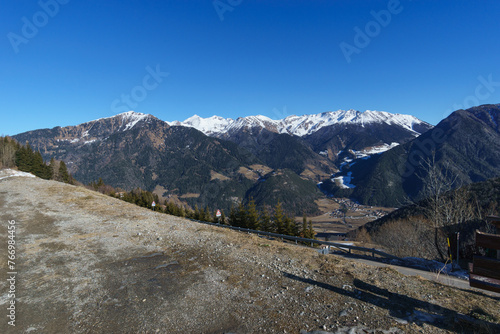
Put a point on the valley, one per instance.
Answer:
(332, 225)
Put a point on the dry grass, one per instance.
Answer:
(113, 267)
(217, 176)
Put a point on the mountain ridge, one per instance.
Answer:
(301, 125)
(133, 149)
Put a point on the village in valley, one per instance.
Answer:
(342, 215)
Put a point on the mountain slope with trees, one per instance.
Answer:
(464, 147)
(25, 159)
(135, 150)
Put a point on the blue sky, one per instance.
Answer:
(64, 62)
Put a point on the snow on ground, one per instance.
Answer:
(131, 118)
(344, 182)
(379, 149)
(6, 173)
(367, 152)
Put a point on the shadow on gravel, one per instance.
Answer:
(406, 309)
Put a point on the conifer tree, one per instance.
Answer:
(265, 221)
(290, 226)
(304, 231)
(232, 216)
(241, 216)
(24, 159)
(222, 217)
(311, 233)
(63, 173)
(279, 219)
(252, 216)
(206, 214)
(196, 214)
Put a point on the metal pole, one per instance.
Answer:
(458, 248)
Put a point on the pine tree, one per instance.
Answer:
(241, 216)
(222, 217)
(252, 216)
(304, 231)
(311, 233)
(291, 226)
(63, 173)
(265, 221)
(279, 219)
(196, 214)
(232, 216)
(206, 214)
(24, 159)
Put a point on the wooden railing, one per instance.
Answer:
(485, 271)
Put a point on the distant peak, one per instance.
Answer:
(131, 113)
(298, 125)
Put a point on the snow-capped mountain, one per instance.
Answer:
(89, 132)
(302, 125)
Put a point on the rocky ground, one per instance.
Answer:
(88, 263)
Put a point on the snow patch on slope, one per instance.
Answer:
(131, 118)
(344, 182)
(6, 173)
(374, 150)
(128, 120)
(208, 126)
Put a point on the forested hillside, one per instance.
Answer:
(24, 158)
(464, 148)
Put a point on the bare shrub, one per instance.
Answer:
(408, 238)
(363, 236)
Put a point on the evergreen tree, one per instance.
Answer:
(170, 208)
(196, 214)
(24, 158)
(304, 231)
(241, 216)
(291, 227)
(279, 219)
(252, 216)
(311, 233)
(206, 214)
(222, 217)
(63, 173)
(265, 221)
(232, 216)
(182, 211)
